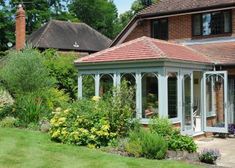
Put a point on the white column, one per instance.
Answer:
(138, 95)
(180, 95)
(118, 79)
(163, 94)
(97, 84)
(79, 86)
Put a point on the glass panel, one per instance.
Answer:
(149, 95)
(227, 22)
(216, 23)
(197, 25)
(187, 115)
(160, 29)
(132, 84)
(206, 24)
(106, 84)
(88, 86)
(172, 95)
(215, 100)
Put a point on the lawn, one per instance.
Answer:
(27, 149)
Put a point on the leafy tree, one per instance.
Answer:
(6, 26)
(99, 14)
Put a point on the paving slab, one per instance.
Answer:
(226, 147)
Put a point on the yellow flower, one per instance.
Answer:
(91, 146)
(67, 111)
(96, 98)
(62, 120)
(56, 134)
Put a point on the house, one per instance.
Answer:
(180, 56)
(63, 36)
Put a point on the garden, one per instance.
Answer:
(38, 92)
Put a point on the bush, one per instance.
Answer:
(209, 156)
(63, 70)
(6, 101)
(9, 122)
(24, 71)
(75, 127)
(180, 142)
(176, 141)
(146, 144)
(35, 106)
(161, 126)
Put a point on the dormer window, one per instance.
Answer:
(160, 29)
(212, 23)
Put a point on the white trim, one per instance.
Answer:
(79, 86)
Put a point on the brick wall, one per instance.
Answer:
(142, 29)
(180, 28)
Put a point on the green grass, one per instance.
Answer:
(29, 149)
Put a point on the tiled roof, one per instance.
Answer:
(65, 35)
(145, 48)
(219, 53)
(176, 6)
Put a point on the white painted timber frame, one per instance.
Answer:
(161, 70)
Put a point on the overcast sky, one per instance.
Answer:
(123, 5)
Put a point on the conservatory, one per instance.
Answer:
(170, 80)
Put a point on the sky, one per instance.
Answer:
(123, 5)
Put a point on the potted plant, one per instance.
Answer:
(209, 156)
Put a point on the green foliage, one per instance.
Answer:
(34, 106)
(176, 141)
(144, 143)
(9, 122)
(80, 128)
(62, 68)
(99, 14)
(24, 71)
(161, 126)
(181, 142)
(209, 155)
(95, 122)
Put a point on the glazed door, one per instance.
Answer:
(215, 101)
(187, 102)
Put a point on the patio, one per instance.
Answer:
(225, 146)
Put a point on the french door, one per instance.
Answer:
(187, 103)
(215, 101)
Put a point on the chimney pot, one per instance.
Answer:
(20, 28)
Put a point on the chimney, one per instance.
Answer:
(20, 28)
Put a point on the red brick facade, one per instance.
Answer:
(180, 28)
(20, 28)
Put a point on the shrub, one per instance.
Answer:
(24, 71)
(61, 67)
(146, 144)
(161, 126)
(75, 127)
(6, 101)
(209, 155)
(9, 122)
(32, 107)
(180, 142)
(176, 141)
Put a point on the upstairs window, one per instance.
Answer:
(212, 23)
(160, 29)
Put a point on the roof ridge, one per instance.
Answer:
(204, 55)
(110, 49)
(44, 31)
(154, 47)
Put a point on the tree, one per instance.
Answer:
(99, 14)
(6, 27)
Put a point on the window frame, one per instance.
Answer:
(201, 22)
(152, 28)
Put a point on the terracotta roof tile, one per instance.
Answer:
(220, 53)
(175, 6)
(145, 48)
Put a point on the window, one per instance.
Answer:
(149, 95)
(212, 23)
(160, 29)
(172, 95)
